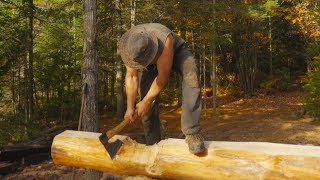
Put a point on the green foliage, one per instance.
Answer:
(239, 32)
(279, 82)
(14, 129)
(313, 83)
(264, 10)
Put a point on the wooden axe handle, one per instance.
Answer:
(118, 128)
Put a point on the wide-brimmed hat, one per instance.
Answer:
(138, 48)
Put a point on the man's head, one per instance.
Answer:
(138, 48)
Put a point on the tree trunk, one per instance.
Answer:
(270, 48)
(112, 91)
(105, 89)
(118, 64)
(26, 97)
(90, 74)
(13, 92)
(36, 98)
(19, 90)
(74, 55)
(204, 80)
(30, 63)
(133, 12)
(171, 159)
(214, 65)
(25, 76)
(183, 30)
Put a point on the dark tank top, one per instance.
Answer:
(161, 32)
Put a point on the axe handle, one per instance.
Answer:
(118, 128)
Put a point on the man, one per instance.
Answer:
(150, 52)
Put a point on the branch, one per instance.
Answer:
(10, 2)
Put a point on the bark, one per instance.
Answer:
(112, 90)
(13, 92)
(19, 90)
(105, 89)
(171, 159)
(30, 63)
(74, 73)
(204, 79)
(90, 66)
(26, 79)
(183, 30)
(270, 48)
(90, 74)
(118, 64)
(214, 65)
(133, 12)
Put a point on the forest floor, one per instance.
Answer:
(274, 118)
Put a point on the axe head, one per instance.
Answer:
(112, 148)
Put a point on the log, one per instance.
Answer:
(19, 151)
(7, 167)
(171, 159)
(37, 147)
(35, 158)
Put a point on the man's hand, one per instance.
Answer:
(131, 114)
(143, 107)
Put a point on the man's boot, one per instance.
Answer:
(195, 143)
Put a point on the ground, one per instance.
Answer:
(274, 118)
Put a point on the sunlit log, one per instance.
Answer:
(171, 159)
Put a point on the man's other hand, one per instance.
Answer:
(143, 107)
(131, 114)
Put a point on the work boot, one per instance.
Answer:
(195, 143)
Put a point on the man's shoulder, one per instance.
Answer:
(150, 24)
(157, 26)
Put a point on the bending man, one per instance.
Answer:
(150, 52)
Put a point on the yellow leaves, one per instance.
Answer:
(304, 16)
(206, 35)
(193, 21)
(244, 37)
(296, 20)
(226, 18)
(261, 36)
(189, 35)
(255, 35)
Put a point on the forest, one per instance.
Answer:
(244, 49)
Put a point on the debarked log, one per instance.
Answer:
(171, 159)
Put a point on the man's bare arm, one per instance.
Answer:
(164, 65)
(132, 83)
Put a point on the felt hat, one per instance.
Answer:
(138, 48)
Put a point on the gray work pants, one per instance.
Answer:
(185, 64)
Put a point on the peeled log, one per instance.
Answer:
(171, 159)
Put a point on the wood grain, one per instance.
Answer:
(171, 159)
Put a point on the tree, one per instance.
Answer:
(30, 62)
(214, 63)
(118, 63)
(90, 74)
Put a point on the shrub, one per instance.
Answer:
(279, 82)
(312, 103)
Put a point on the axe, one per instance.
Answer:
(112, 148)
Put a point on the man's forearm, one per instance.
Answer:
(131, 90)
(157, 85)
